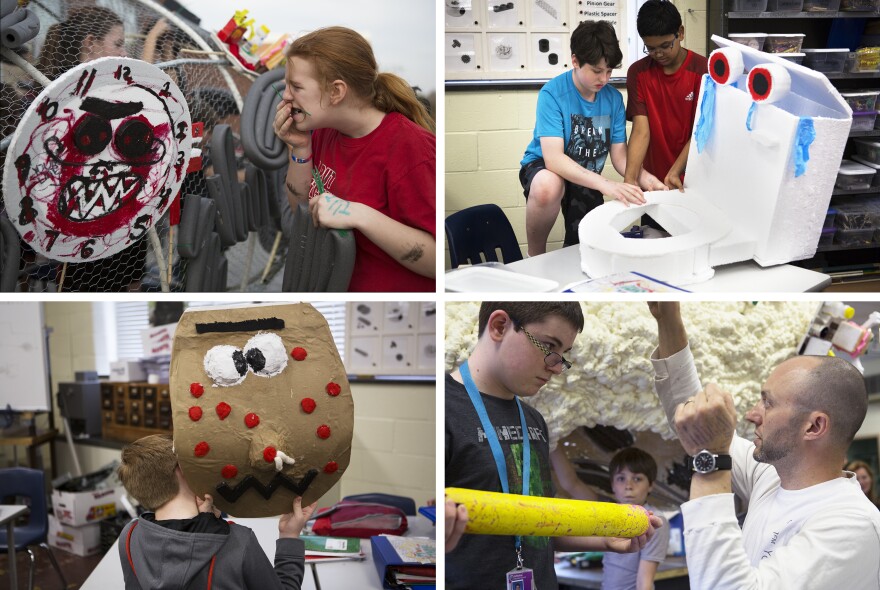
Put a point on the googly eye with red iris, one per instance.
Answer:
(769, 83)
(726, 65)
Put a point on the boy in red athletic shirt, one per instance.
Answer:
(662, 91)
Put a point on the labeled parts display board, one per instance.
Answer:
(391, 338)
(523, 39)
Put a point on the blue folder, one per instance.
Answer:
(387, 561)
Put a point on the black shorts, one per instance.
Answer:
(577, 200)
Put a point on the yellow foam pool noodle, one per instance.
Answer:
(493, 513)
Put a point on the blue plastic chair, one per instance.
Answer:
(30, 484)
(408, 505)
(474, 234)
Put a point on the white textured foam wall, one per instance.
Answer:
(735, 344)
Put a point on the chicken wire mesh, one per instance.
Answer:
(74, 32)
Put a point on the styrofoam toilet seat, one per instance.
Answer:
(681, 259)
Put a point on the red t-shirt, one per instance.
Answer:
(670, 103)
(392, 170)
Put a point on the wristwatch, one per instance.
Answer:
(707, 462)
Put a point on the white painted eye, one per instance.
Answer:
(769, 82)
(226, 365)
(265, 354)
(726, 65)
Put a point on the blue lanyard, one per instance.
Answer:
(492, 436)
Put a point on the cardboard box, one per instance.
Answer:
(82, 540)
(79, 508)
(127, 371)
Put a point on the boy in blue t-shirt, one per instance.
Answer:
(633, 472)
(580, 121)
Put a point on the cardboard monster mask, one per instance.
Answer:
(261, 406)
(97, 159)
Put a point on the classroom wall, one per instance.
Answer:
(487, 132)
(393, 448)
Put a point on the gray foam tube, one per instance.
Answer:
(223, 220)
(10, 252)
(7, 6)
(344, 258)
(187, 230)
(220, 275)
(16, 34)
(295, 248)
(241, 211)
(261, 145)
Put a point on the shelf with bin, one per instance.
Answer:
(802, 14)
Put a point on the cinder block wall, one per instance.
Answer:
(487, 132)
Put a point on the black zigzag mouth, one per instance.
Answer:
(86, 199)
(232, 494)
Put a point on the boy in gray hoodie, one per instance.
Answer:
(184, 543)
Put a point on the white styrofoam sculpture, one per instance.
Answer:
(760, 173)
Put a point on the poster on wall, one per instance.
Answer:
(391, 338)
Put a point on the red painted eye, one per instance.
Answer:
(323, 431)
(134, 139)
(299, 353)
(308, 405)
(333, 389)
(91, 133)
(769, 83)
(725, 65)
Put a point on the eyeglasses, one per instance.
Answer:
(551, 359)
(661, 49)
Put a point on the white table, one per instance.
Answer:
(8, 514)
(564, 267)
(338, 574)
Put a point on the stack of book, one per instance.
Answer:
(324, 549)
(405, 562)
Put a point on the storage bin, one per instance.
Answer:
(854, 176)
(859, 5)
(827, 237)
(785, 5)
(863, 121)
(797, 58)
(821, 5)
(784, 43)
(829, 219)
(861, 101)
(866, 59)
(854, 237)
(856, 214)
(827, 61)
(753, 40)
(876, 180)
(869, 149)
(749, 5)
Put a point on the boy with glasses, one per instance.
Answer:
(520, 348)
(662, 91)
(580, 122)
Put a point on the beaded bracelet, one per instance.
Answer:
(301, 160)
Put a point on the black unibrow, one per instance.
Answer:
(244, 326)
(110, 110)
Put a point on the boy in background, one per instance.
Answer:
(662, 91)
(580, 121)
(521, 347)
(184, 543)
(633, 472)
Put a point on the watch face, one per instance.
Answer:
(97, 159)
(704, 462)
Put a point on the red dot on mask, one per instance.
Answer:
(196, 389)
(308, 405)
(299, 353)
(251, 420)
(195, 413)
(333, 389)
(229, 472)
(323, 431)
(269, 454)
(202, 449)
(331, 467)
(223, 410)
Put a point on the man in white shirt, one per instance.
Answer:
(808, 525)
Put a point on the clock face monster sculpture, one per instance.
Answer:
(97, 159)
(261, 405)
